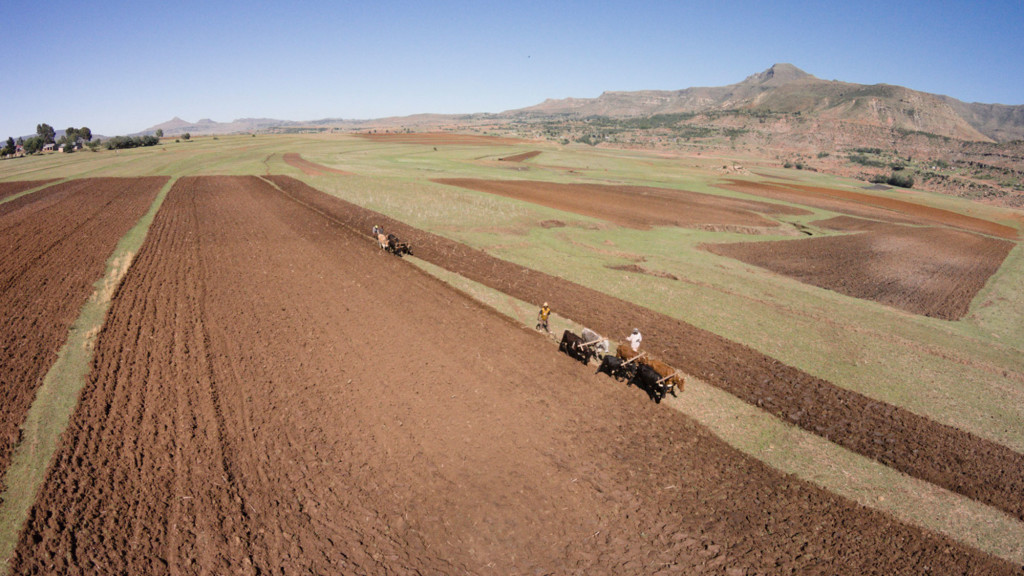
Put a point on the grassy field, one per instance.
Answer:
(968, 374)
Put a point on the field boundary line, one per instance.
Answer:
(57, 397)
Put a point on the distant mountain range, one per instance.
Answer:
(176, 126)
(781, 89)
(784, 88)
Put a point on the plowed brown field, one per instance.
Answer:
(922, 448)
(521, 157)
(310, 168)
(12, 188)
(869, 206)
(272, 394)
(56, 243)
(934, 272)
(635, 206)
(440, 139)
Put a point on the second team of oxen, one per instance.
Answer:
(635, 368)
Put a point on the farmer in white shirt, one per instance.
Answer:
(634, 339)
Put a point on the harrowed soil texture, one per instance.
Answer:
(271, 393)
(56, 243)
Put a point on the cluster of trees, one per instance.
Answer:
(118, 142)
(45, 134)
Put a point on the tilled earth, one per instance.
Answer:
(272, 394)
(12, 188)
(638, 207)
(926, 270)
(309, 168)
(869, 206)
(56, 243)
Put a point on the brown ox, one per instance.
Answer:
(383, 241)
(626, 352)
(675, 380)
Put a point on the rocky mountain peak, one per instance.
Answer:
(778, 74)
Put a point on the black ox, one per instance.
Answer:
(397, 247)
(648, 380)
(617, 368)
(573, 345)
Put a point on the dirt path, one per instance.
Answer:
(56, 243)
(273, 394)
(940, 454)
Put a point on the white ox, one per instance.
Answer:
(600, 342)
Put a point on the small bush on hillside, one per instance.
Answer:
(866, 161)
(901, 180)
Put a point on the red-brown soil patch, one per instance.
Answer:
(521, 157)
(442, 139)
(869, 206)
(56, 244)
(272, 394)
(641, 270)
(934, 272)
(310, 168)
(637, 207)
(951, 458)
(12, 188)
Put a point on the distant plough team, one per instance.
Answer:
(390, 243)
(628, 364)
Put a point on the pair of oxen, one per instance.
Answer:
(392, 244)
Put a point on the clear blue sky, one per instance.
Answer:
(120, 67)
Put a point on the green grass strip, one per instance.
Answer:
(57, 398)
